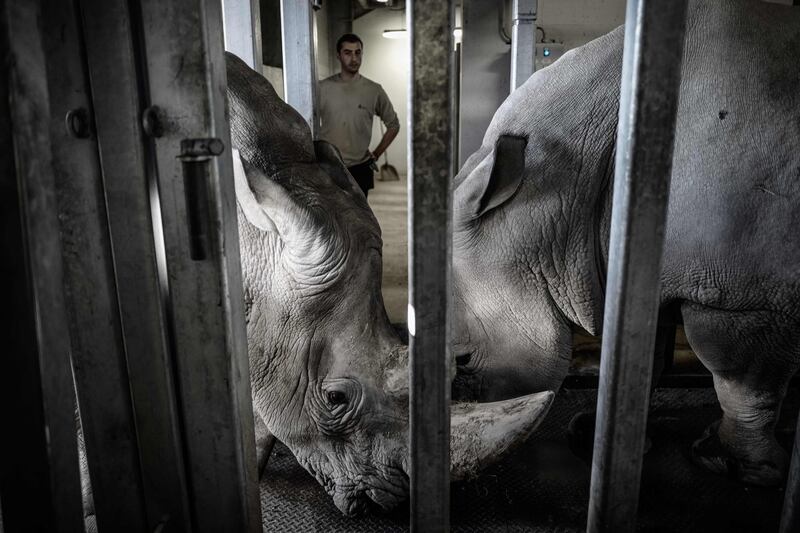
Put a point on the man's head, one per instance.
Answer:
(348, 50)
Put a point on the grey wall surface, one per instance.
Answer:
(486, 58)
(485, 71)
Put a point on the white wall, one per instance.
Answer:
(386, 62)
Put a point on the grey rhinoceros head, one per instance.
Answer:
(329, 373)
(528, 204)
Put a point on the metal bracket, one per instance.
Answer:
(195, 157)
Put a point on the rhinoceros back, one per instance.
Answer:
(735, 197)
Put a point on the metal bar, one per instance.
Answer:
(116, 312)
(523, 41)
(299, 63)
(790, 518)
(39, 481)
(242, 20)
(186, 82)
(648, 104)
(430, 233)
(136, 398)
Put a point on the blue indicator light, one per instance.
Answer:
(546, 52)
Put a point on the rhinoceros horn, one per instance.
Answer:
(483, 433)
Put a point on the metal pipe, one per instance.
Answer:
(242, 30)
(648, 104)
(430, 234)
(523, 41)
(299, 63)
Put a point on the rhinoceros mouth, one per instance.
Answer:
(369, 501)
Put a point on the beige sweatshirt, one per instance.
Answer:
(346, 109)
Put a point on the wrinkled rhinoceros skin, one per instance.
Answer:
(329, 374)
(532, 215)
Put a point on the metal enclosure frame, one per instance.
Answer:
(39, 482)
(160, 365)
(652, 57)
(299, 61)
(430, 163)
(523, 41)
(182, 42)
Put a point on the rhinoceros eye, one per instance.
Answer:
(336, 397)
(335, 405)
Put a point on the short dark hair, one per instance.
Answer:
(348, 38)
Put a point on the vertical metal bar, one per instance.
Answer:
(242, 20)
(123, 369)
(649, 98)
(39, 482)
(186, 81)
(523, 41)
(790, 518)
(430, 233)
(299, 63)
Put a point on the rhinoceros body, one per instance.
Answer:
(532, 216)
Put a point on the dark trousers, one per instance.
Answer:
(364, 176)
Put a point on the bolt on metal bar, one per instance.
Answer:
(654, 35)
(430, 234)
(523, 41)
(790, 519)
(299, 63)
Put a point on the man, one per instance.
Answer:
(347, 104)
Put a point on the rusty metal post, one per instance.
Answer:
(430, 234)
(651, 70)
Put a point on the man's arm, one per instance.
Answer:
(386, 113)
(386, 140)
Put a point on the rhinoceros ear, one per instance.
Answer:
(246, 196)
(330, 160)
(493, 181)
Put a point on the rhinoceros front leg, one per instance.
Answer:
(580, 432)
(752, 356)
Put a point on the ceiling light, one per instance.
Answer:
(394, 34)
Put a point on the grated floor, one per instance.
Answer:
(544, 487)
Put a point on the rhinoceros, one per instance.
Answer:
(532, 213)
(329, 373)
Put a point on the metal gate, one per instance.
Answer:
(116, 114)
